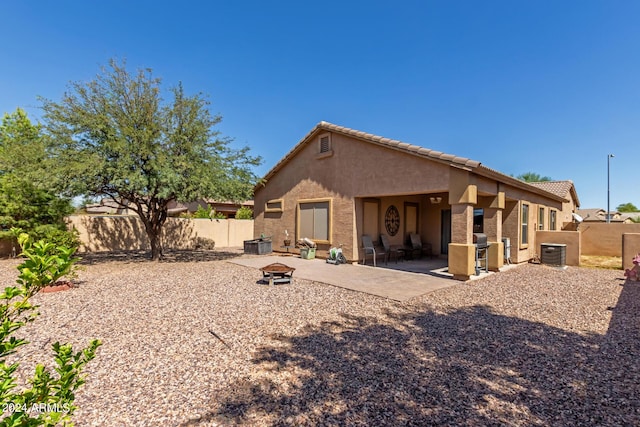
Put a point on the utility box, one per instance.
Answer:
(257, 246)
(507, 249)
(553, 254)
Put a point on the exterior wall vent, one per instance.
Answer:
(325, 145)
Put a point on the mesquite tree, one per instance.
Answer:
(116, 137)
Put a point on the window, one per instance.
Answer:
(541, 219)
(552, 219)
(478, 220)
(314, 220)
(524, 221)
(275, 205)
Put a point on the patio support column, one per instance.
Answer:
(463, 196)
(462, 251)
(493, 230)
(462, 223)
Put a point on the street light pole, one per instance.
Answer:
(609, 156)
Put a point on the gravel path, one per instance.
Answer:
(200, 343)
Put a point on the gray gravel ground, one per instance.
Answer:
(201, 343)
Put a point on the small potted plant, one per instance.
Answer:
(287, 241)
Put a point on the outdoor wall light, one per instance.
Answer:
(435, 200)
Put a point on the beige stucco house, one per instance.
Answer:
(338, 184)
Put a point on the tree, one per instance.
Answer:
(22, 146)
(627, 207)
(533, 177)
(115, 136)
(26, 199)
(24, 205)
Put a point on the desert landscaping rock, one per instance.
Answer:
(203, 343)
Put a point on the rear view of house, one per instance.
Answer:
(338, 184)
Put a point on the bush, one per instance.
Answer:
(50, 399)
(57, 236)
(45, 262)
(205, 243)
(203, 212)
(244, 213)
(218, 215)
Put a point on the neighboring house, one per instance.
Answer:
(106, 206)
(600, 215)
(630, 217)
(338, 184)
(228, 209)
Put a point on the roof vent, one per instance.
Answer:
(324, 144)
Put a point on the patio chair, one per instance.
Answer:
(390, 250)
(417, 248)
(368, 248)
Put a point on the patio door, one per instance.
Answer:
(445, 230)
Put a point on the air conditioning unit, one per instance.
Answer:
(554, 254)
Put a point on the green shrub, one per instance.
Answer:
(45, 262)
(57, 235)
(50, 398)
(244, 213)
(218, 215)
(203, 212)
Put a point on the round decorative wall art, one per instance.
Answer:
(392, 220)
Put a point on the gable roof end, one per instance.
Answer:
(375, 139)
(439, 156)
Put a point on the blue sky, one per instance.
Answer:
(550, 87)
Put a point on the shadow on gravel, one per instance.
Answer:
(89, 258)
(464, 367)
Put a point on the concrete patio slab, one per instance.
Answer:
(384, 282)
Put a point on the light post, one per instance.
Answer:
(609, 156)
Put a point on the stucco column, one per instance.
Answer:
(462, 223)
(463, 196)
(462, 253)
(493, 224)
(493, 230)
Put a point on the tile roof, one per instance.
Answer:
(559, 188)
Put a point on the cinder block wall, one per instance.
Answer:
(122, 233)
(604, 239)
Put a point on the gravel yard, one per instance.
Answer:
(201, 343)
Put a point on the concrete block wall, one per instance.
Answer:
(604, 239)
(124, 233)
